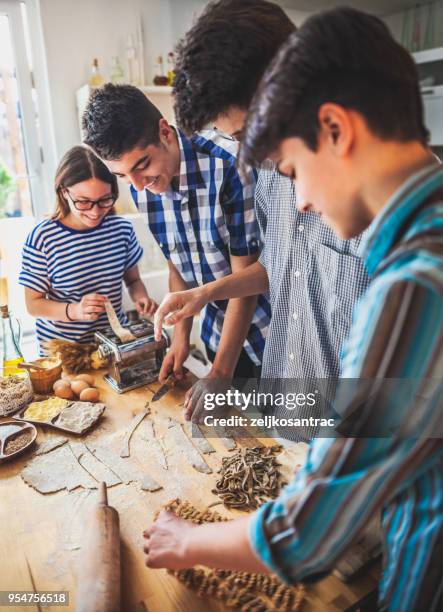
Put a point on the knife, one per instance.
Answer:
(170, 382)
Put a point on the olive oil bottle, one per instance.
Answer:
(12, 355)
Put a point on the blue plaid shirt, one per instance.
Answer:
(205, 219)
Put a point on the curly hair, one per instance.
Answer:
(343, 56)
(222, 58)
(119, 118)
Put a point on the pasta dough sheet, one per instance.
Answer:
(183, 443)
(55, 471)
(123, 334)
(79, 416)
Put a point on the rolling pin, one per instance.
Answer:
(99, 572)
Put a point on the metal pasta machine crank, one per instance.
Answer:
(135, 363)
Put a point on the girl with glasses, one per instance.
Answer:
(79, 257)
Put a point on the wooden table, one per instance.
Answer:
(46, 531)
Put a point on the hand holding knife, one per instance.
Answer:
(170, 382)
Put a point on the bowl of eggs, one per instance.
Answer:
(81, 387)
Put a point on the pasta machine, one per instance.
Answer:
(135, 363)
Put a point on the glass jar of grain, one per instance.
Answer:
(15, 391)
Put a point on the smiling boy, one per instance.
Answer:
(314, 278)
(340, 110)
(200, 212)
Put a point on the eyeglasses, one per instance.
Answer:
(106, 202)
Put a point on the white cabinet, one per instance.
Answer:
(161, 97)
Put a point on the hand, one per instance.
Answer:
(174, 359)
(90, 307)
(146, 306)
(194, 405)
(178, 306)
(166, 542)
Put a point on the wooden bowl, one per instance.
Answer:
(43, 380)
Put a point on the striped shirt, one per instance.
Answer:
(65, 264)
(205, 219)
(397, 333)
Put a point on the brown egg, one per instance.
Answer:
(65, 392)
(89, 395)
(78, 385)
(87, 378)
(61, 384)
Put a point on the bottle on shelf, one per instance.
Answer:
(117, 74)
(11, 332)
(3, 280)
(171, 68)
(132, 63)
(96, 79)
(159, 72)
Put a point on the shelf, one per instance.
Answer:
(156, 89)
(435, 91)
(429, 55)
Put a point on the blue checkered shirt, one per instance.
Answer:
(315, 279)
(205, 219)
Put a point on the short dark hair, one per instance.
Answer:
(222, 58)
(77, 165)
(343, 56)
(119, 118)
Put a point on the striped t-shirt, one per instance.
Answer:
(67, 264)
(396, 337)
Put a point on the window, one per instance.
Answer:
(20, 151)
(27, 156)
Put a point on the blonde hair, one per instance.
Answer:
(77, 165)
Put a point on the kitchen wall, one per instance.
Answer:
(76, 32)
(395, 22)
(184, 12)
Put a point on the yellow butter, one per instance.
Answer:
(46, 409)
